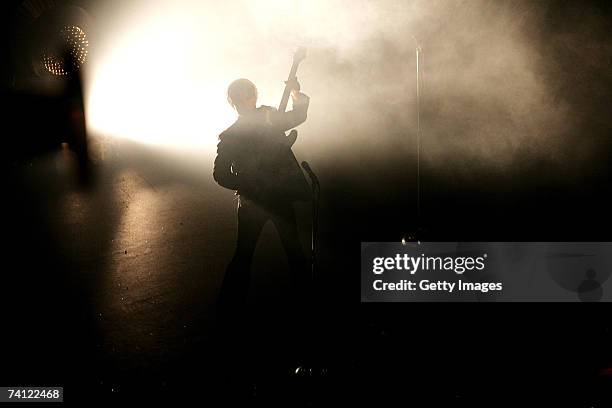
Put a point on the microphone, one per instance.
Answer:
(310, 173)
(291, 138)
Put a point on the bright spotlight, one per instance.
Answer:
(160, 84)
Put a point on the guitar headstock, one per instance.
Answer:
(300, 55)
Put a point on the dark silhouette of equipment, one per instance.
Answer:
(315, 187)
(49, 47)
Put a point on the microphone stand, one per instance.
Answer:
(316, 191)
(418, 106)
(315, 186)
(419, 230)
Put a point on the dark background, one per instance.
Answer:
(65, 321)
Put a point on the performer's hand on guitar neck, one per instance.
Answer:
(294, 86)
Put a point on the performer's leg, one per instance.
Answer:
(286, 225)
(302, 317)
(235, 287)
(235, 360)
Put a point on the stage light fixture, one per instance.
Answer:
(76, 44)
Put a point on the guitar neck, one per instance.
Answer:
(282, 107)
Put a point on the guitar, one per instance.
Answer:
(290, 167)
(298, 57)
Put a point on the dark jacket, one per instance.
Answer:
(253, 157)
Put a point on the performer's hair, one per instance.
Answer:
(240, 90)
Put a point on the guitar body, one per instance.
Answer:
(291, 175)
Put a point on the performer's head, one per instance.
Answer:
(242, 95)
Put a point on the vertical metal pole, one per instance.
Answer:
(418, 95)
(313, 247)
(418, 105)
(316, 190)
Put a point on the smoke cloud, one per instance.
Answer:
(498, 79)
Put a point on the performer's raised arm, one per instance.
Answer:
(296, 116)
